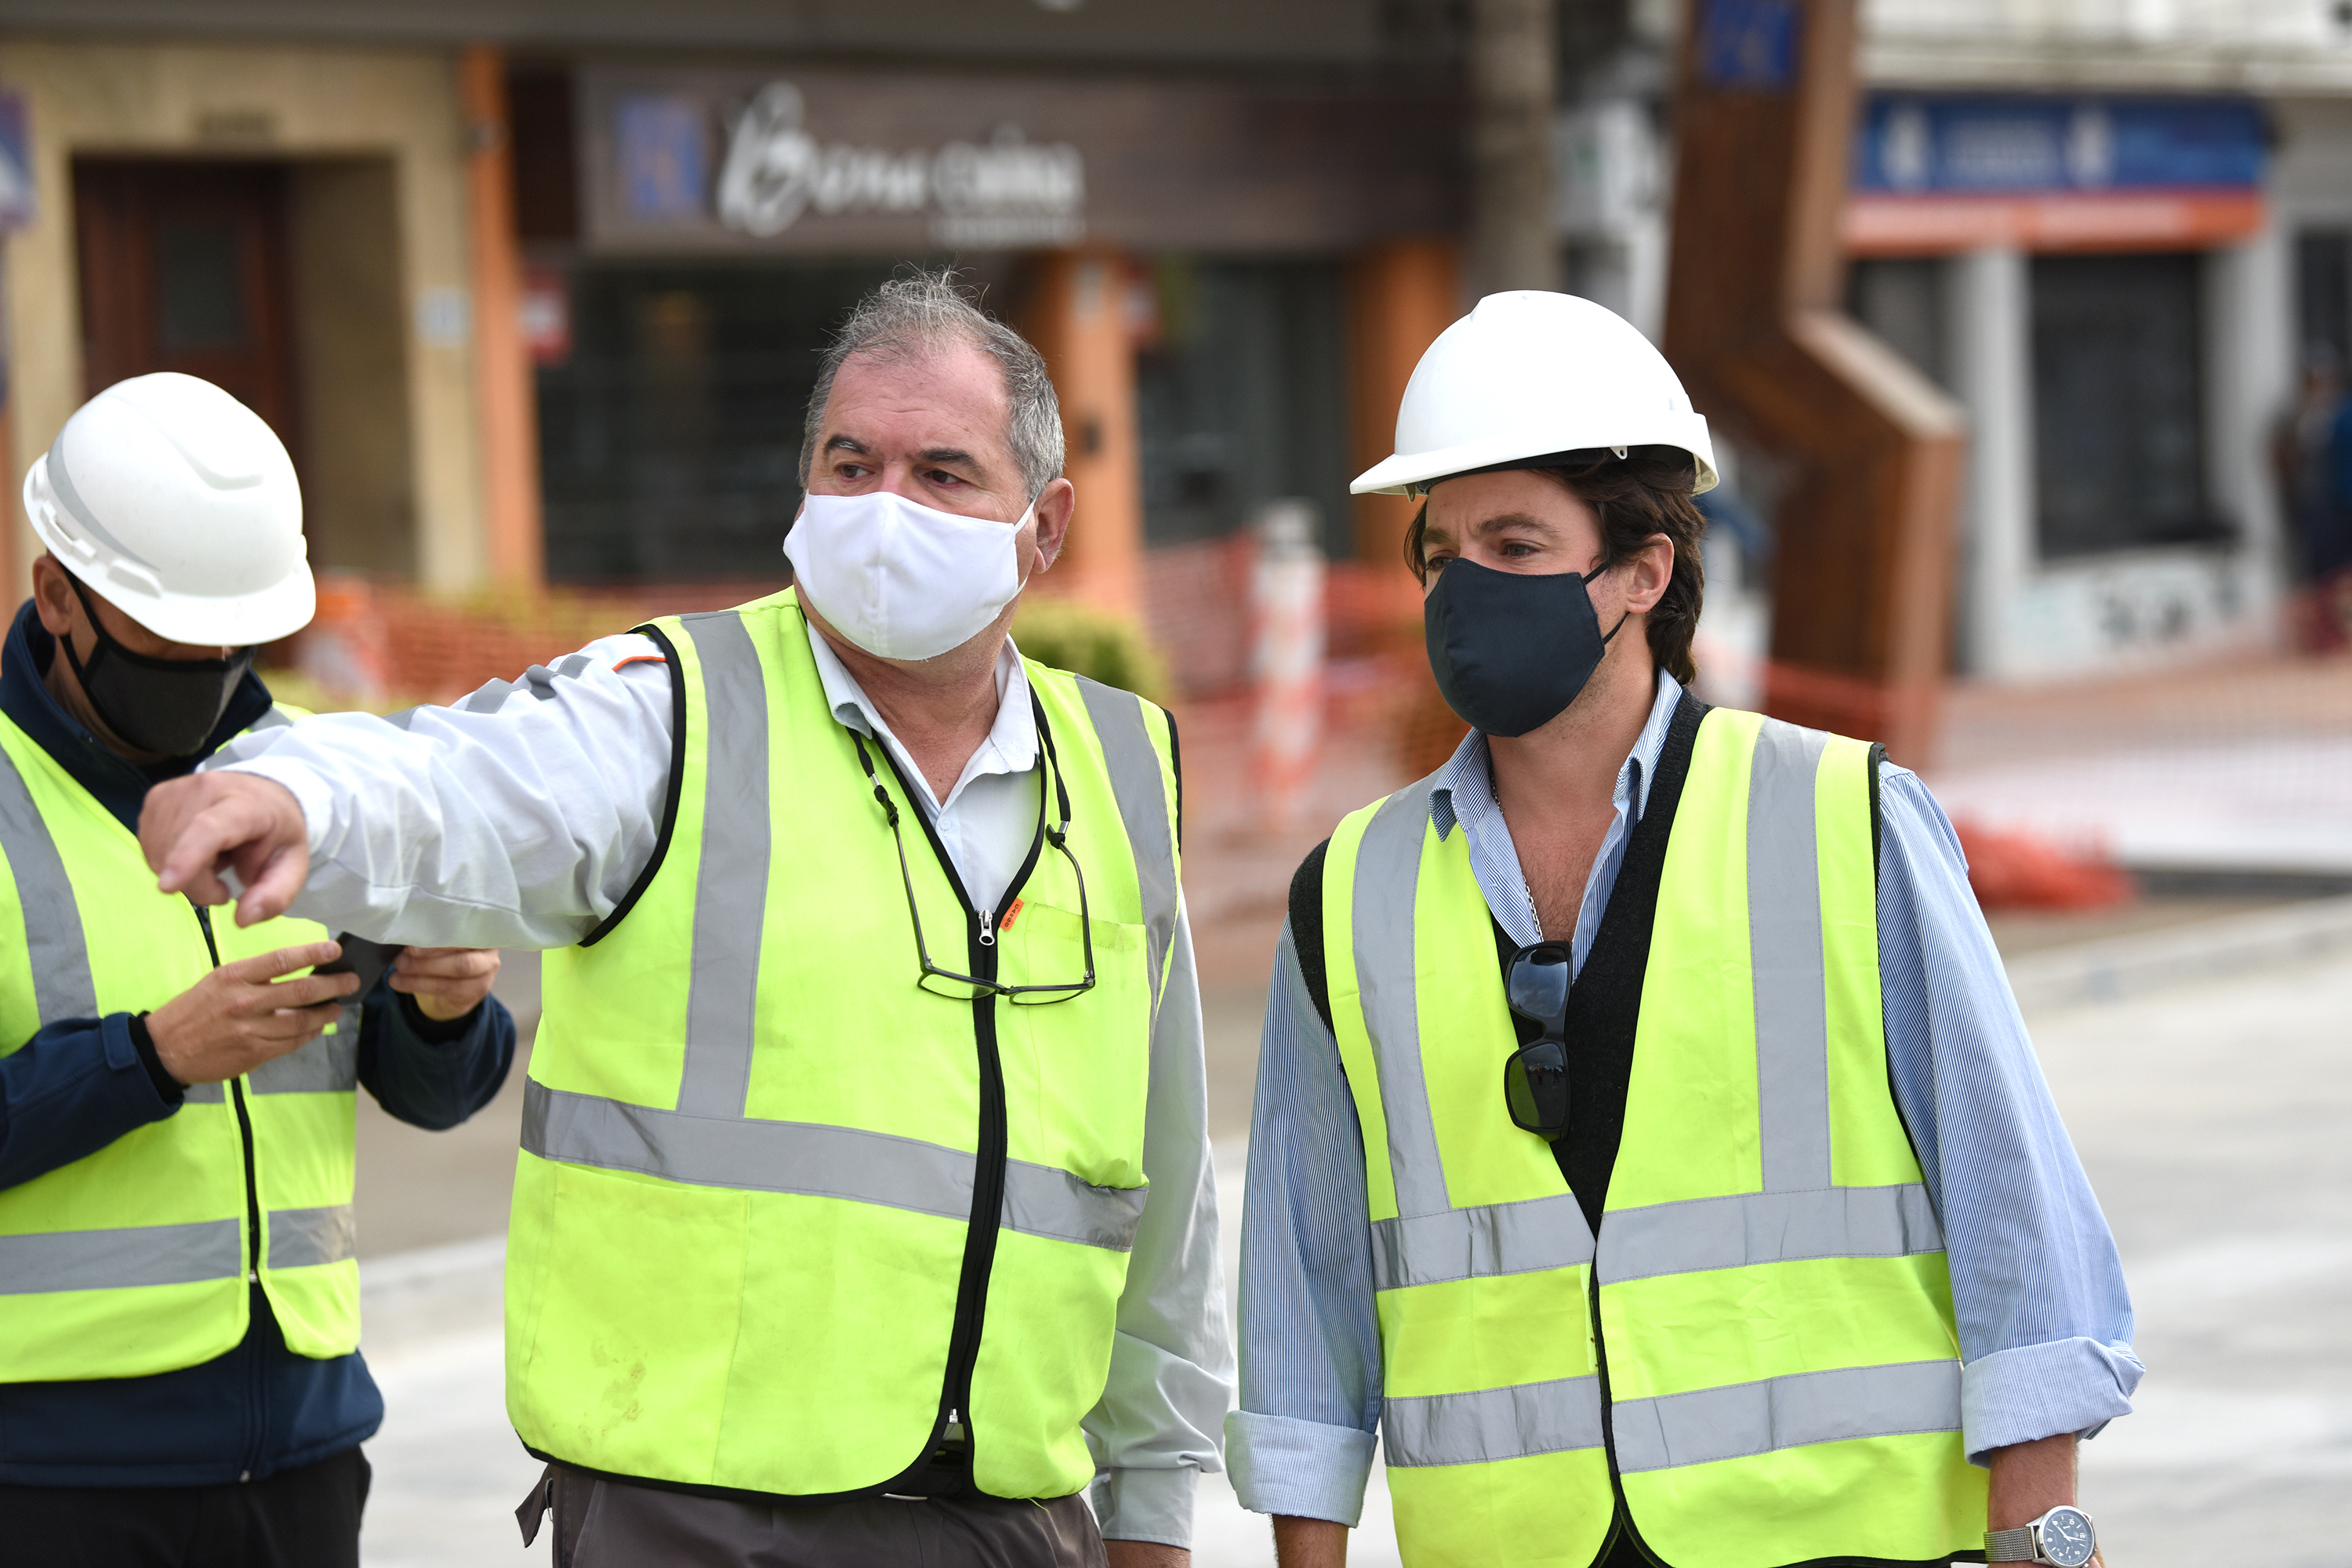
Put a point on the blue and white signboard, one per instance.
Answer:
(1922, 144)
(1941, 172)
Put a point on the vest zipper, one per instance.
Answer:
(254, 1401)
(1624, 1520)
(924, 1476)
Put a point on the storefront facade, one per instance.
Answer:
(548, 310)
(2101, 279)
(1187, 252)
(288, 221)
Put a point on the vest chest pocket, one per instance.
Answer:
(1077, 1072)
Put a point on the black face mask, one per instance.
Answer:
(1511, 651)
(166, 706)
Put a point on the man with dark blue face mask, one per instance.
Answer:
(1648, 1148)
(180, 1380)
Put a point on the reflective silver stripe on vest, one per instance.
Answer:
(120, 1259)
(1750, 1418)
(1492, 1424)
(730, 899)
(301, 1238)
(1473, 1244)
(1388, 871)
(1136, 783)
(277, 718)
(1767, 1227)
(1784, 940)
(55, 946)
(817, 1161)
(327, 1065)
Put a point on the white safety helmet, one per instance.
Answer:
(1530, 374)
(176, 503)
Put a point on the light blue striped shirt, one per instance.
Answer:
(2045, 1325)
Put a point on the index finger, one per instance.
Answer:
(283, 960)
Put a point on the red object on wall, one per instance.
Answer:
(546, 310)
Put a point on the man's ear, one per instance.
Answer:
(1055, 505)
(53, 596)
(1652, 571)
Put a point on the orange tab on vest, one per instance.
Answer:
(1010, 915)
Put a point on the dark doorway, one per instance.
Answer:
(1242, 397)
(670, 437)
(184, 267)
(2118, 396)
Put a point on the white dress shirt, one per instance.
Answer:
(523, 816)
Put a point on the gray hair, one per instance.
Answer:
(917, 315)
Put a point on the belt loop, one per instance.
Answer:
(534, 1509)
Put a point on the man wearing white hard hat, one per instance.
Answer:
(1648, 1152)
(180, 1380)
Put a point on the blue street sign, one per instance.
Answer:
(1749, 44)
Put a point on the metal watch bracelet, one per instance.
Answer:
(2010, 1546)
(2074, 1544)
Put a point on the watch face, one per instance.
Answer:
(2066, 1538)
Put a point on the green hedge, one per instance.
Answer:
(1099, 644)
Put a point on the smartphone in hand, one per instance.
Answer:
(366, 959)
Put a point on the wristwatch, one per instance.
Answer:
(2065, 1538)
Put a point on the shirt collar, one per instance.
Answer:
(1466, 775)
(118, 785)
(1011, 744)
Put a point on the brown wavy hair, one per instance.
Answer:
(1645, 493)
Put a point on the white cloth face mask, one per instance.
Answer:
(901, 579)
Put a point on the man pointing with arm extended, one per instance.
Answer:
(871, 1022)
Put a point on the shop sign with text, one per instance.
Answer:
(833, 162)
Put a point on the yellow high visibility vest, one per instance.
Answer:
(780, 1212)
(134, 1259)
(1759, 1353)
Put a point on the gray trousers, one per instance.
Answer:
(601, 1524)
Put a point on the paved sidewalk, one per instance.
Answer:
(2216, 768)
(2212, 1117)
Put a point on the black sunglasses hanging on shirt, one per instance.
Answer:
(946, 983)
(1534, 1080)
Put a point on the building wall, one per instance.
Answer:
(379, 238)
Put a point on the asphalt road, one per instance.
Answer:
(2216, 1123)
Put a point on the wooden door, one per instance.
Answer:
(184, 267)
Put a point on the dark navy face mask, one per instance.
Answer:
(1511, 651)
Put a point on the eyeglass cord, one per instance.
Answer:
(1058, 837)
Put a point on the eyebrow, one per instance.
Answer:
(1495, 524)
(939, 455)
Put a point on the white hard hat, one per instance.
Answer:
(1531, 374)
(176, 503)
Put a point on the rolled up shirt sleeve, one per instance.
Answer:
(518, 817)
(1155, 1429)
(1302, 1442)
(2044, 1320)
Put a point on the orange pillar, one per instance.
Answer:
(14, 525)
(502, 371)
(1400, 295)
(1076, 319)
